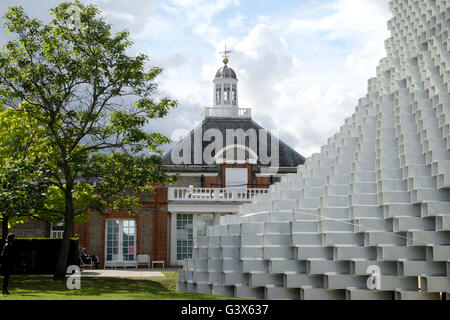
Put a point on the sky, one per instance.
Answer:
(302, 65)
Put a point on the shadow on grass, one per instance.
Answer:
(26, 287)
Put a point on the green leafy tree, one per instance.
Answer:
(73, 76)
(22, 196)
(23, 178)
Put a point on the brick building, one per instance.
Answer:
(222, 163)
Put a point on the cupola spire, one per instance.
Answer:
(225, 54)
(225, 85)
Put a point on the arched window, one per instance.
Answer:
(226, 93)
(233, 95)
(218, 93)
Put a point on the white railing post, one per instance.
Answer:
(218, 192)
(170, 194)
(234, 194)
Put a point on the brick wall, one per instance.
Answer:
(96, 235)
(159, 226)
(145, 239)
(83, 231)
(30, 229)
(263, 182)
(184, 181)
(210, 182)
(151, 227)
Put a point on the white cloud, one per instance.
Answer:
(198, 14)
(367, 57)
(303, 96)
(269, 74)
(273, 81)
(300, 70)
(209, 33)
(359, 25)
(200, 9)
(237, 22)
(341, 19)
(126, 15)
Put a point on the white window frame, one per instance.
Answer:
(120, 242)
(238, 183)
(194, 232)
(234, 94)
(58, 233)
(218, 93)
(226, 93)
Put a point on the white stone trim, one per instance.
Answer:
(173, 239)
(202, 208)
(194, 174)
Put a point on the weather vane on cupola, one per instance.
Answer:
(225, 88)
(225, 54)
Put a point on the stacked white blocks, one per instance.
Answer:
(377, 197)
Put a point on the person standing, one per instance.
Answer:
(8, 260)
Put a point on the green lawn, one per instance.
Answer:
(32, 287)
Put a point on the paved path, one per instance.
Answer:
(124, 273)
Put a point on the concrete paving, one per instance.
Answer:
(126, 273)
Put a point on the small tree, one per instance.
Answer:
(71, 75)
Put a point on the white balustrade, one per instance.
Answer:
(244, 113)
(213, 194)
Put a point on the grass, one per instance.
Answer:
(38, 287)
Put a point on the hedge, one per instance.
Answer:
(40, 255)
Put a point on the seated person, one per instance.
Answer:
(86, 258)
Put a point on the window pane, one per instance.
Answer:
(184, 232)
(125, 228)
(236, 177)
(203, 222)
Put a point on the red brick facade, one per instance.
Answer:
(151, 220)
(83, 231)
(159, 225)
(211, 182)
(262, 182)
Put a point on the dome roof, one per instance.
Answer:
(226, 72)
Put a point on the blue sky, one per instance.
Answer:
(301, 65)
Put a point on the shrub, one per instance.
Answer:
(40, 255)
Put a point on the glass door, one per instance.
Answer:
(185, 236)
(189, 227)
(120, 240)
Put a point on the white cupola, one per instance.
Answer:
(225, 86)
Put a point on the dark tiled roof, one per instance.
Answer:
(288, 157)
(226, 72)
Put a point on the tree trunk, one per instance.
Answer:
(61, 266)
(4, 230)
